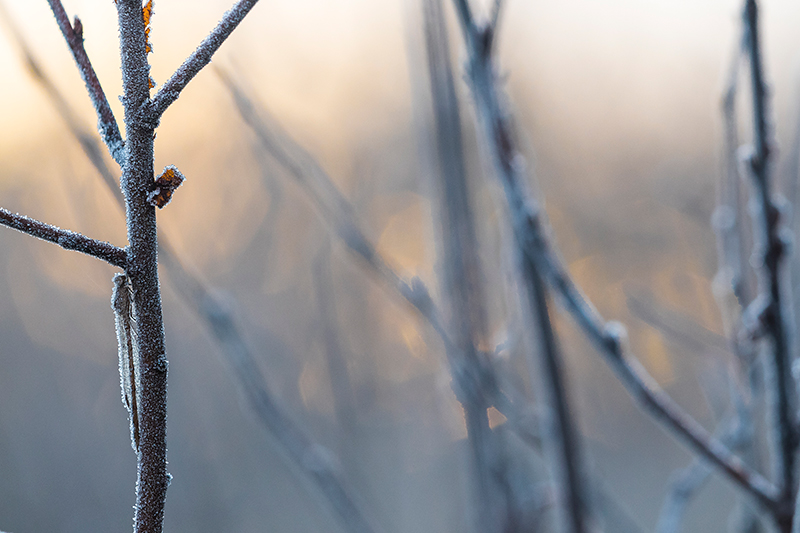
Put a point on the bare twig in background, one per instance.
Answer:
(66, 239)
(313, 460)
(609, 338)
(673, 324)
(333, 207)
(463, 287)
(107, 124)
(338, 214)
(219, 319)
(558, 426)
(771, 308)
(689, 480)
(732, 290)
(558, 429)
(201, 57)
(342, 389)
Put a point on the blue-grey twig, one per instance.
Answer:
(775, 293)
(530, 231)
(732, 288)
(201, 57)
(66, 239)
(107, 124)
(687, 481)
(339, 215)
(463, 293)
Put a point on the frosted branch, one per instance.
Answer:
(608, 338)
(774, 292)
(66, 239)
(201, 57)
(107, 124)
(85, 138)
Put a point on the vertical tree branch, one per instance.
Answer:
(463, 286)
(219, 321)
(771, 307)
(731, 287)
(528, 227)
(137, 177)
(558, 425)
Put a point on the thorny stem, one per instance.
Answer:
(107, 124)
(137, 177)
(201, 57)
(64, 238)
(607, 337)
(772, 287)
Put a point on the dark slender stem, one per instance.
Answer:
(559, 426)
(201, 57)
(529, 230)
(137, 176)
(66, 239)
(774, 291)
(107, 124)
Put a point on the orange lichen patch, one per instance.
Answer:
(164, 186)
(147, 12)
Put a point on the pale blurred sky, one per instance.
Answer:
(333, 69)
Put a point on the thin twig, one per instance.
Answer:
(201, 57)
(563, 439)
(675, 325)
(333, 207)
(687, 481)
(731, 288)
(461, 279)
(338, 214)
(774, 292)
(199, 298)
(66, 239)
(334, 353)
(608, 338)
(312, 459)
(106, 123)
(86, 138)
(494, 14)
